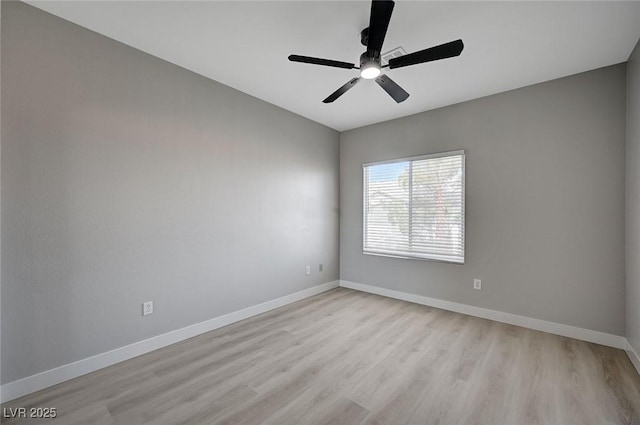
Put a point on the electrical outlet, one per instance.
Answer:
(477, 284)
(320, 267)
(308, 270)
(147, 308)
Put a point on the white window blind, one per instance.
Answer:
(414, 207)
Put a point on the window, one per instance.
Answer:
(414, 207)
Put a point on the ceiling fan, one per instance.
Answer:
(373, 38)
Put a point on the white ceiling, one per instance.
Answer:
(245, 44)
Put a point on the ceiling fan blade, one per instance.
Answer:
(443, 51)
(342, 90)
(320, 61)
(378, 23)
(395, 91)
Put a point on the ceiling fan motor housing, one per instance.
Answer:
(365, 60)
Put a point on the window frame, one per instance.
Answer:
(403, 255)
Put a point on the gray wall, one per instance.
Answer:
(633, 201)
(544, 200)
(127, 179)
(1, 200)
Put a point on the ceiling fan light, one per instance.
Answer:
(370, 71)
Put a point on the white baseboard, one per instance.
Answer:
(589, 335)
(30, 384)
(634, 357)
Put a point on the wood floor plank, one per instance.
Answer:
(346, 357)
(345, 412)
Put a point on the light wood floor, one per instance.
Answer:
(345, 357)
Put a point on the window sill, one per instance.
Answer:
(406, 257)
